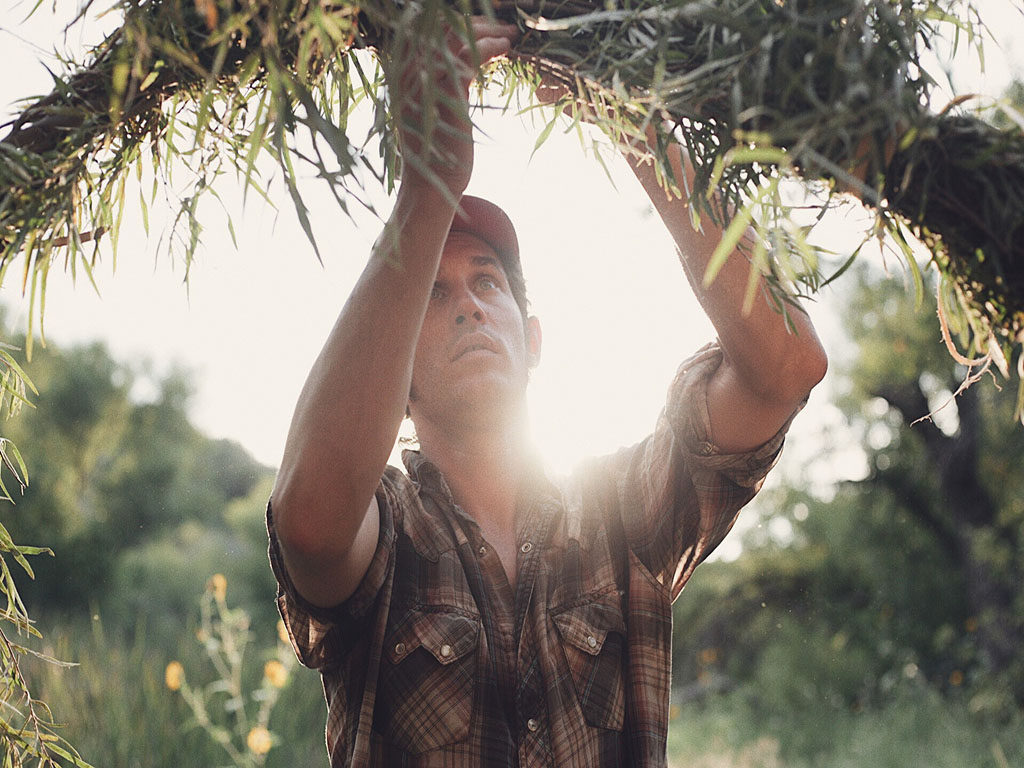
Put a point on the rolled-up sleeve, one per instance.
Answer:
(677, 494)
(322, 637)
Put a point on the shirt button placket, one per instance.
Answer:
(531, 746)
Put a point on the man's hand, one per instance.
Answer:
(431, 95)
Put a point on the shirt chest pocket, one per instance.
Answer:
(593, 639)
(425, 691)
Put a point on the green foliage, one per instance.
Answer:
(134, 500)
(97, 452)
(116, 475)
(155, 572)
(877, 623)
(26, 725)
(918, 728)
(956, 479)
(832, 619)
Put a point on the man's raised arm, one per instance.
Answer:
(768, 370)
(352, 404)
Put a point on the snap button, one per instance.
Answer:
(532, 724)
(482, 551)
(705, 449)
(592, 641)
(399, 649)
(526, 547)
(446, 650)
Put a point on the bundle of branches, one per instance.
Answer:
(839, 85)
(831, 90)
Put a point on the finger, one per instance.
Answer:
(479, 28)
(487, 49)
(482, 26)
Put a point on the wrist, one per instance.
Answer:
(432, 189)
(421, 217)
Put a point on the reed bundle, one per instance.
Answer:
(834, 92)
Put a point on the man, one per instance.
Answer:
(474, 613)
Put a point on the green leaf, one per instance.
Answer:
(13, 364)
(766, 155)
(730, 239)
(915, 270)
(145, 212)
(758, 265)
(544, 134)
(8, 447)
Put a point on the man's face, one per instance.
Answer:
(474, 350)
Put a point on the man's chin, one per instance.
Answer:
(486, 393)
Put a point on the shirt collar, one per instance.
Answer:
(537, 488)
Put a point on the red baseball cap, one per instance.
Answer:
(491, 224)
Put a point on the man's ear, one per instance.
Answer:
(533, 341)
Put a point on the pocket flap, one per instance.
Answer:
(447, 636)
(587, 626)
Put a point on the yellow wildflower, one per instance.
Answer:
(282, 632)
(174, 675)
(258, 740)
(709, 656)
(275, 673)
(219, 585)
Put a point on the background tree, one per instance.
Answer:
(856, 597)
(141, 510)
(121, 477)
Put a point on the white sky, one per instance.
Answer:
(602, 275)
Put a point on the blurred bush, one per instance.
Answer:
(141, 509)
(879, 620)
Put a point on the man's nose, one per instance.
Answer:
(476, 314)
(468, 307)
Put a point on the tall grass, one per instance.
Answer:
(120, 714)
(917, 729)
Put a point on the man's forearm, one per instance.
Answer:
(354, 399)
(768, 368)
(356, 394)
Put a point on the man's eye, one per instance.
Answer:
(436, 293)
(487, 283)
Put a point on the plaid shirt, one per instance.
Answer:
(437, 661)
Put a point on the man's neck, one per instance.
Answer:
(483, 467)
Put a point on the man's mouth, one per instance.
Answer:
(474, 342)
